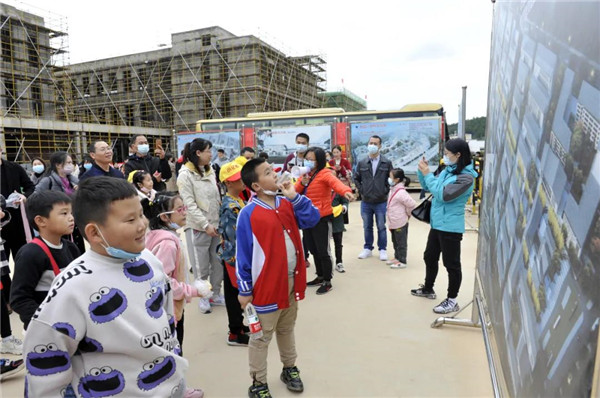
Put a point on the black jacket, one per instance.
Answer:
(152, 165)
(373, 188)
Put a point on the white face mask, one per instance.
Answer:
(68, 169)
(143, 148)
(372, 149)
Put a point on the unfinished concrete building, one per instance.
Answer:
(343, 98)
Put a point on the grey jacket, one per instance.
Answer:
(373, 188)
(54, 183)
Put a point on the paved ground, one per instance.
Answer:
(368, 337)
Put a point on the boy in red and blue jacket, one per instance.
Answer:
(271, 270)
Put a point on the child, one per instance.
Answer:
(399, 206)
(142, 181)
(39, 261)
(270, 269)
(9, 343)
(232, 204)
(337, 227)
(107, 325)
(166, 215)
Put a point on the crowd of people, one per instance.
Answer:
(249, 229)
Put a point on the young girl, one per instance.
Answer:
(166, 215)
(142, 181)
(399, 206)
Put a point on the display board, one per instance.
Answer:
(403, 141)
(279, 142)
(229, 141)
(539, 239)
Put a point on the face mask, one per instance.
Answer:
(174, 226)
(115, 252)
(87, 166)
(143, 149)
(301, 148)
(68, 169)
(372, 149)
(309, 163)
(268, 192)
(391, 182)
(38, 169)
(447, 161)
(144, 190)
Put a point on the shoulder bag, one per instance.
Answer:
(423, 211)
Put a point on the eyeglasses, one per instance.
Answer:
(179, 210)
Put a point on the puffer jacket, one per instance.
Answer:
(399, 206)
(450, 194)
(54, 183)
(319, 190)
(201, 196)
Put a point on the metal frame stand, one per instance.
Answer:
(458, 322)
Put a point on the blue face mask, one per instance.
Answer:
(174, 226)
(143, 149)
(372, 149)
(87, 166)
(391, 182)
(447, 161)
(301, 148)
(115, 252)
(38, 169)
(309, 163)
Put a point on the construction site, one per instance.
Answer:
(48, 104)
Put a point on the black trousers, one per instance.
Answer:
(234, 309)
(6, 285)
(318, 238)
(400, 239)
(448, 244)
(5, 329)
(179, 331)
(337, 242)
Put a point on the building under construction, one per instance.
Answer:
(46, 104)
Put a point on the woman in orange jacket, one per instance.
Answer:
(317, 186)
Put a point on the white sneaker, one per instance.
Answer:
(204, 306)
(339, 267)
(217, 300)
(383, 255)
(446, 306)
(397, 264)
(365, 253)
(390, 262)
(11, 345)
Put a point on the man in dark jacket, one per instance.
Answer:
(102, 156)
(371, 180)
(13, 178)
(158, 167)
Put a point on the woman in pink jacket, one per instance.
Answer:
(167, 214)
(399, 206)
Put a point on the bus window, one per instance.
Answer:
(218, 126)
(320, 120)
(254, 124)
(287, 122)
(362, 118)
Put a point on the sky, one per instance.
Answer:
(391, 52)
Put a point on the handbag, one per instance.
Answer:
(423, 211)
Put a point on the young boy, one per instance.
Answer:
(270, 269)
(231, 205)
(107, 326)
(39, 261)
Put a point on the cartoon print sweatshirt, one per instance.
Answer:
(107, 328)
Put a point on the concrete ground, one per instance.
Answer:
(368, 337)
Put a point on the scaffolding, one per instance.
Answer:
(48, 104)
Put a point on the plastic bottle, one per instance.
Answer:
(253, 322)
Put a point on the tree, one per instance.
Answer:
(475, 126)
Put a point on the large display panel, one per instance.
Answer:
(229, 141)
(539, 242)
(403, 141)
(279, 142)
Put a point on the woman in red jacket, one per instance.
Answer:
(317, 186)
(342, 167)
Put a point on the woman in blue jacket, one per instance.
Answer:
(450, 190)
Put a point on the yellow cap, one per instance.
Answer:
(230, 172)
(240, 160)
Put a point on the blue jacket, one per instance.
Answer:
(96, 171)
(450, 194)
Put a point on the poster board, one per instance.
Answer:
(279, 142)
(229, 141)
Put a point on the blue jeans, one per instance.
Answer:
(367, 210)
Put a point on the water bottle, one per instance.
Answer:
(253, 322)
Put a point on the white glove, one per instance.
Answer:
(204, 288)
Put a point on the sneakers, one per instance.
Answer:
(365, 253)
(217, 300)
(11, 345)
(383, 255)
(240, 340)
(446, 306)
(422, 292)
(259, 390)
(397, 264)
(291, 378)
(324, 288)
(8, 367)
(339, 267)
(204, 305)
(390, 262)
(315, 282)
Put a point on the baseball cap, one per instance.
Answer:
(230, 172)
(240, 160)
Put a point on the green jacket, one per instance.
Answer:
(338, 222)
